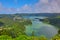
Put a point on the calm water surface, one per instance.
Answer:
(40, 28)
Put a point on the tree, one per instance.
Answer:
(1, 23)
(58, 31)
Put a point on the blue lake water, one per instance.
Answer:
(40, 28)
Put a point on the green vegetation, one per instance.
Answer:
(9, 27)
(15, 30)
(57, 36)
(25, 37)
(46, 20)
(53, 21)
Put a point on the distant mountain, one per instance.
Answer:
(38, 14)
(30, 14)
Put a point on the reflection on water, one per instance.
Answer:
(41, 28)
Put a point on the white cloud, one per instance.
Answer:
(25, 9)
(47, 7)
(1, 7)
(43, 6)
(43, 1)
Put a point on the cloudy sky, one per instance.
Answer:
(29, 6)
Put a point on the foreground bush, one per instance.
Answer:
(24, 37)
(5, 37)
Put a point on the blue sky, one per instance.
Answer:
(17, 3)
(29, 6)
